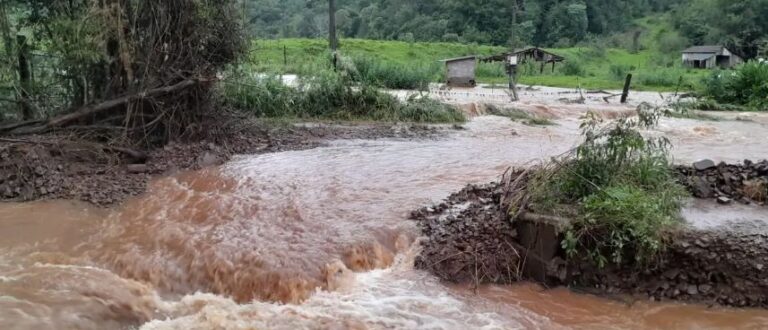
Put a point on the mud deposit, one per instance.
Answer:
(470, 240)
(52, 167)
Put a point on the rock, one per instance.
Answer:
(705, 288)
(671, 274)
(724, 200)
(692, 290)
(137, 168)
(704, 165)
(701, 188)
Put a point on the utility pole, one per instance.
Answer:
(332, 40)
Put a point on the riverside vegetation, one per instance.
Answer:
(618, 186)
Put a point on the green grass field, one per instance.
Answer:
(585, 67)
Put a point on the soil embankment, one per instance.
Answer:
(55, 167)
(470, 239)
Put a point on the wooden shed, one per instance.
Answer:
(524, 55)
(710, 57)
(460, 71)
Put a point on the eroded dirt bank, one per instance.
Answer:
(54, 167)
(470, 239)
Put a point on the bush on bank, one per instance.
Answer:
(746, 86)
(619, 188)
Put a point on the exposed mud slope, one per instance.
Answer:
(55, 167)
(469, 238)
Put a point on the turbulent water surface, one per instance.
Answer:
(313, 239)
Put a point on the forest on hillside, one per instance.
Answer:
(514, 23)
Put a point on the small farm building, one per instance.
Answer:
(460, 72)
(710, 57)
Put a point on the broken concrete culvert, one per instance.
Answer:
(470, 238)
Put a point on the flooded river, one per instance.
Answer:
(315, 239)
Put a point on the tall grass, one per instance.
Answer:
(330, 95)
(491, 70)
(375, 72)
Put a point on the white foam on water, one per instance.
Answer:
(395, 298)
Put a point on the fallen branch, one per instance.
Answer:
(104, 106)
(610, 96)
(19, 124)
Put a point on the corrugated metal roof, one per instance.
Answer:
(471, 57)
(705, 49)
(700, 56)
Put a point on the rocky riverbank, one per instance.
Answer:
(744, 183)
(470, 239)
(56, 167)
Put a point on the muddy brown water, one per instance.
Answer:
(313, 239)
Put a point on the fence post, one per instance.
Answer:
(625, 94)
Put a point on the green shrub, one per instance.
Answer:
(747, 85)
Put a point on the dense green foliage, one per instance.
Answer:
(624, 192)
(498, 22)
(746, 86)
(740, 25)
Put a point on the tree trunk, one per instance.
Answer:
(5, 29)
(25, 78)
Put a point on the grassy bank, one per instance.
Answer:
(589, 67)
